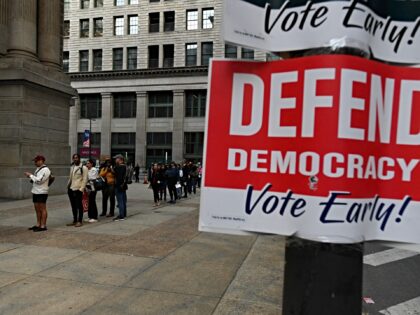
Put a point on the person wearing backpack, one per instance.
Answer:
(75, 187)
(39, 181)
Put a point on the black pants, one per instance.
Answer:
(172, 192)
(75, 197)
(92, 210)
(155, 188)
(108, 193)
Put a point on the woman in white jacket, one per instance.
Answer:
(40, 192)
(92, 176)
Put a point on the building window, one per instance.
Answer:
(66, 28)
(83, 60)
(271, 57)
(191, 54)
(84, 28)
(247, 53)
(131, 58)
(97, 60)
(84, 4)
(195, 103)
(153, 56)
(95, 139)
(192, 19)
(154, 19)
(133, 2)
(159, 147)
(66, 6)
(168, 56)
(231, 51)
(90, 106)
(169, 23)
(208, 18)
(193, 144)
(125, 105)
(118, 25)
(117, 59)
(98, 27)
(124, 143)
(133, 24)
(206, 53)
(66, 57)
(99, 3)
(118, 2)
(160, 104)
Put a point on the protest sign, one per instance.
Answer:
(390, 29)
(325, 148)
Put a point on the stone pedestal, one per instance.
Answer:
(34, 119)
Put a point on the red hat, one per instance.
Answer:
(38, 157)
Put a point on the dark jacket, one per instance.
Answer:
(172, 175)
(120, 174)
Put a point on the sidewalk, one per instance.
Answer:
(155, 262)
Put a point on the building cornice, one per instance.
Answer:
(139, 73)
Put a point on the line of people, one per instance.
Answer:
(83, 179)
(179, 180)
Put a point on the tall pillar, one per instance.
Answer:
(74, 114)
(50, 19)
(141, 128)
(4, 34)
(178, 126)
(23, 29)
(106, 123)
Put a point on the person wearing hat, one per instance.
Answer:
(39, 180)
(121, 187)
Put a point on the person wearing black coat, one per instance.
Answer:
(172, 177)
(155, 180)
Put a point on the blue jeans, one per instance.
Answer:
(121, 195)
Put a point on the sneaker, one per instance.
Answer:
(78, 224)
(87, 220)
(122, 219)
(71, 224)
(33, 228)
(116, 219)
(92, 220)
(40, 229)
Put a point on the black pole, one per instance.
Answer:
(323, 278)
(90, 138)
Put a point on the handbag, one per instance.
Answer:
(99, 183)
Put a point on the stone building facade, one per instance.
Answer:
(140, 69)
(34, 94)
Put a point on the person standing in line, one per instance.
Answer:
(121, 187)
(39, 191)
(75, 188)
(92, 176)
(163, 183)
(172, 176)
(137, 173)
(200, 174)
(155, 181)
(107, 171)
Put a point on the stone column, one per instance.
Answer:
(74, 114)
(178, 126)
(50, 24)
(23, 29)
(106, 124)
(4, 31)
(141, 115)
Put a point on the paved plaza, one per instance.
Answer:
(155, 262)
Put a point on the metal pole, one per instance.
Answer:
(323, 278)
(90, 138)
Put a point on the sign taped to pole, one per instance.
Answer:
(389, 28)
(325, 148)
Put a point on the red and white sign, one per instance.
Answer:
(326, 148)
(93, 152)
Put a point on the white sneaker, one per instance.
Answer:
(92, 220)
(86, 220)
